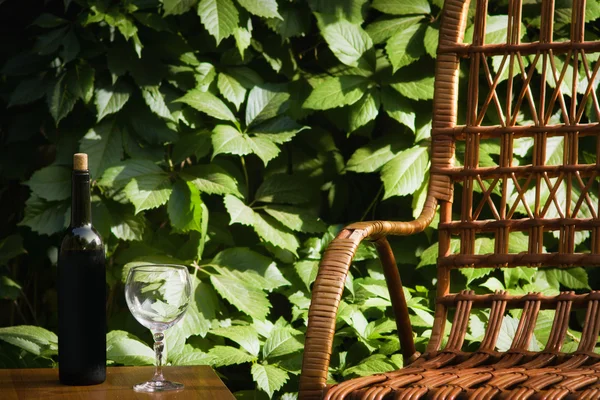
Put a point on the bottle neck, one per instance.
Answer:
(81, 204)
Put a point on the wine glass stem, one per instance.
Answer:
(159, 347)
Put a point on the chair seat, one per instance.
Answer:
(481, 375)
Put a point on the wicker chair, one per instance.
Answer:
(450, 372)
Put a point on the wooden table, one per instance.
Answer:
(200, 382)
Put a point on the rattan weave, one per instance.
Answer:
(549, 196)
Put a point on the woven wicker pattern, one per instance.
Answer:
(478, 199)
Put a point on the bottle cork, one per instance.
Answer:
(80, 162)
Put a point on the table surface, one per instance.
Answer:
(200, 382)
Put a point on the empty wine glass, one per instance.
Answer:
(158, 296)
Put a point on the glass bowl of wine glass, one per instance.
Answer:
(158, 296)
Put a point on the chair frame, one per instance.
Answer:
(336, 261)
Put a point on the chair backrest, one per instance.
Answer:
(514, 142)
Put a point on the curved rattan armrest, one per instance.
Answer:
(329, 286)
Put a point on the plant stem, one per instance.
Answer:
(169, 161)
(159, 346)
(245, 174)
(29, 306)
(372, 203)
(575, 338)
(16, 305)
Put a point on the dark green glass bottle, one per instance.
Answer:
(81, 290)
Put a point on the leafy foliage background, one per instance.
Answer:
(236, 137)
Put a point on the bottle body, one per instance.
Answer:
(81, 294)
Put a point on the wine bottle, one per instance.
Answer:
(81, 290)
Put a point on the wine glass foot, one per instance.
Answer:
(157, 386)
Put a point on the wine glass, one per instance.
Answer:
(158, 296)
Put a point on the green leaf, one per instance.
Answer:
(347, 41)
(507, 333)
(201, 310)
(269, 377)
(430, 254)
(44, 217)
(208, 103)
(129, 227)
(155, 100)
(381, 30)
(513, 276)
(337, 91)
(192, 356)
(295, 21)
(495, 30)
(265, 226)
(48, 42)
(111, 99)
(263, 148)
(406, 47)
(404, 173)
(61, 98)
(120, 175)
(177, 7)
(375, 155)
(46, 20)
(492, 284)
(255, 269)
(231, 89)
(246, 336)
(351, 10)
(228, 140)
(398, 108)
(245, 76)
(363, 111)
(11, 247)
(307, 270)
(431, 40)
(281, 342)
(185, 207)
(375, 364)
(27, 91)
(226, 355)
(219, 17)
(151, 128)
(81, 79)
(196, 143)
(9, 289)
(262, 8)
(423, 128)
(402, 8)
(264, 103)
(275, 233)
(571, 278)
(205, 75)
(421, 89)
(245, 298)
(51, 183)
(103, 145)
(33, 339)
(124, 348)
(475, 273)
(238, 211)
(278, 130)
(295, 218)
(420, 197)
(211, 179)
(243, 37)
(283, 188)
(148, 191)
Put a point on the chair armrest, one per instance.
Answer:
(329, 286)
